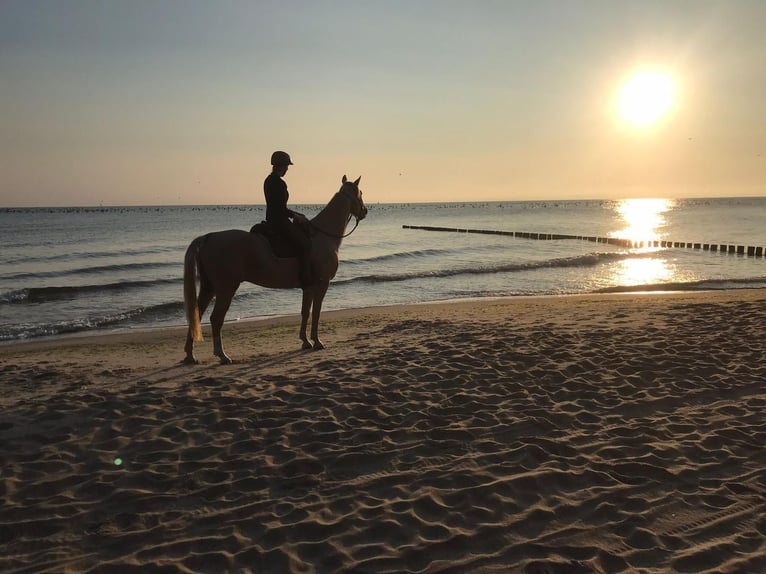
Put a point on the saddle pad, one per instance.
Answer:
(279, 243)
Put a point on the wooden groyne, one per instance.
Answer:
(749, 251)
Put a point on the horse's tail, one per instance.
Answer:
(191, 262)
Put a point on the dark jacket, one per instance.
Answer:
(275, 191)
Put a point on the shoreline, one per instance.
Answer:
(587, 433)
(81, 337)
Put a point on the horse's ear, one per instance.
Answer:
(357, 180)
(344, 179)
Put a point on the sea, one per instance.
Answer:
(94, 270)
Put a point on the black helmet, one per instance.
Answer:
(280, 158)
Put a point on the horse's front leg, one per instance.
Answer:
(305, 308)
(319, 293)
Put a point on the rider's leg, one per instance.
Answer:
(302, 244)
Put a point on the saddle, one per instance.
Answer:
(280, 243)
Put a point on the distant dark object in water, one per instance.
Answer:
(738, 249)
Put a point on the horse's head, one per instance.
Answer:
(351, 190)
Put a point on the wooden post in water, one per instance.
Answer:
(750, 251)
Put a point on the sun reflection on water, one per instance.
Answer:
(643, 272)
(643, 220)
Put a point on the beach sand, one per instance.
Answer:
(615, 433)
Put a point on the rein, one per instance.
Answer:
(328, 234)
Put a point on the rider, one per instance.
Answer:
(287, 222)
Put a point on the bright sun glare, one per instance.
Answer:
(643, 218)
(646, 97)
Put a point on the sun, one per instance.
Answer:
(646, 97)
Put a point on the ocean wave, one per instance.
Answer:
(97, 270)
(45, 294)
(702, 285)
(587, 260)
(142, 315)
(405, 255)
(91, 255)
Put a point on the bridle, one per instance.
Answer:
(350, 215)
(332, 235)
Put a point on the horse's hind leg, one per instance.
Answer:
(203, 300)
(305, 309)
(189, 359)
(222, 302)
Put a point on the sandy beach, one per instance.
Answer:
(615, 433)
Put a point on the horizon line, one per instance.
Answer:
(263, 205)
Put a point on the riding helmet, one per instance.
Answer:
(280, 158)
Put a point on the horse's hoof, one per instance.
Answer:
(318, 346)
(226, 360)
(306, 346)
(190, 360)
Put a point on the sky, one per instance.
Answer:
(171, 102)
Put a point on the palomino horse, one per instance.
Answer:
(225, 259)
